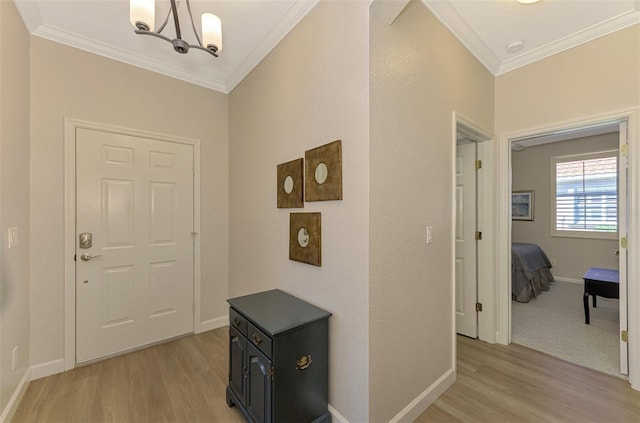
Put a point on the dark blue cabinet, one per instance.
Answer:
(278, 358)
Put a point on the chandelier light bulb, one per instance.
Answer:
(142, 12)
(211, 31)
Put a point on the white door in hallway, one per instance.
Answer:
(623, 169)
(134, 284)
(465, 242)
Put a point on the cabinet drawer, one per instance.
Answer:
(237, 321)
(260, 340)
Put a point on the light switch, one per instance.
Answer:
(13, 237)
(429, 234)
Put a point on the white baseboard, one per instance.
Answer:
(425, 399)
(335, 416)
(47, 369)
(14, 401)
(212, 324)
(563, 279)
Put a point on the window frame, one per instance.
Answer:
(582, 157)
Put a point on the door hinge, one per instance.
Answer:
(624, 150)
(478, 164)
(74, 257)
(623, 242)
(478, 235)
(624, 335)
(270, 373)
(194, 308)
(478, 306)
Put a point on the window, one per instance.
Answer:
(585, 195)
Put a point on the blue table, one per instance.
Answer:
(602, 282)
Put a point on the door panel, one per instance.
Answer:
(116, 305)
(135, 196)
(118, 212)
(258, 386)
(466, 254)
(237, 364)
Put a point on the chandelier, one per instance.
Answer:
(143, 14)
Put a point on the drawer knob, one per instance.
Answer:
(304, 362)
(256, 339)
(236, 321)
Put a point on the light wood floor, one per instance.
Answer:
(185, 380)
(497, 383)
(180, 381)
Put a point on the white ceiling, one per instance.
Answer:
(252, 28)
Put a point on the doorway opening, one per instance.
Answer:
(569, 213)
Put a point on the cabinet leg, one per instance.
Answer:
(230, 402)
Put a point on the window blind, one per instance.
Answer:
(587, 195)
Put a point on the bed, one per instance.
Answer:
(530, 271)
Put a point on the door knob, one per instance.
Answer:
(87, 257)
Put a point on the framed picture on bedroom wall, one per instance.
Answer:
(522, 205)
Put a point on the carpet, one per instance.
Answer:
(553, 323)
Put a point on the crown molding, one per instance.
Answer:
(289, 21)
(450, 18)
(573, 40)
(30, 14)
(442, 10)
(107, 50)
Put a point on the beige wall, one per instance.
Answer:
(420, 75)
(531, 170)
(599, 77)
(14, 204)
(311, 90)
(67, 82)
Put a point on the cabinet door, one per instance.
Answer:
(237, 364)
(259, 389)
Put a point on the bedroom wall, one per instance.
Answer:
(14, 205)
(420, 75)
(67, 82)
(531, 170)
(310, 90)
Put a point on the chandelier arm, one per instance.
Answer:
(193, 25)
(155, 34)
(213, 53)
(176, 21)
(166, 20)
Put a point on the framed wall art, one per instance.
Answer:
(323, 172)
(305, 241)
(522, 205)
(290, 184)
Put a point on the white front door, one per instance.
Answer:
(134, 196)
(466, 254)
